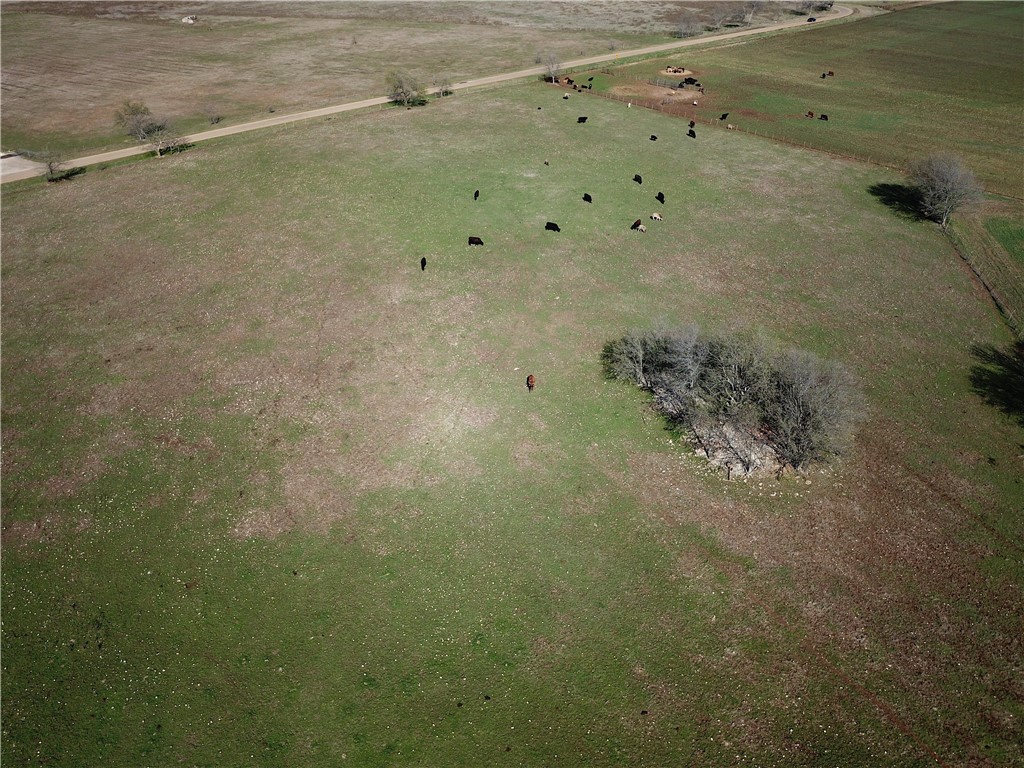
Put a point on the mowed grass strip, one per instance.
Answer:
(298, 490)
(945, 77)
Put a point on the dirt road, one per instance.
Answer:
(17, 171)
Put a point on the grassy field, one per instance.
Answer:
(946, 77)
(68, 66)
(274, 495)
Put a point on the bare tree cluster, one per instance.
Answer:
(944, 184)
(142, 125)
(747, 405)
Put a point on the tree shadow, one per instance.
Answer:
(901, 198)
(998, 378)
(64, 174)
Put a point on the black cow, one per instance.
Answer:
(660, 197)
(724, 115)
(581, 119)
(690, 80)
(566, 96)
(653, 137)
(476, 195)
(823, 75)
(570, 81)
(638, 179)
(691, 133)
(590, 87)
(637, 224)
(590, 79)
(682, 84)
(475, 240)
(823, 117)
(423, 264)
(587, 198)
(692, 124)
(552, 227)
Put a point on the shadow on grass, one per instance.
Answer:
(998, 378)
(64, 174)
(903, 199)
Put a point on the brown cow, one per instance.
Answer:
(637, 224)
(531, 382)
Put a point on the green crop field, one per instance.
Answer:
(946, 77)
(275, 496)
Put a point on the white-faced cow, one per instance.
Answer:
(656, 217)
(637, 224)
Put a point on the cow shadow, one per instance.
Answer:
(998, 378)
(901, 198)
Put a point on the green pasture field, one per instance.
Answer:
(945, 77)
(1010, 234)
(273, 495)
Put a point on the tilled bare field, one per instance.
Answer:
(68, 66)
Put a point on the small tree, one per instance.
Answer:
(443, 83)
(552, 65)
(163, 138)
(945, 185)
(54, 162)
(135, 118)
(404, 89)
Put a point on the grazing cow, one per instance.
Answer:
(812, 19)
(423, 264)
(637, 224)
(653, 137)
(475, 240)
(831, 73)
(546, 163)
(581, 120)
(810, 114)
(656, 217)
(552, 227)
(823, 75)
(565, 96)
(638, 179)
(823, 117)
(641, 228)
(724, 115)
(570, 81)
(476, 195)
(730, 127)
(701, 90)
(587, 198)
(691, 133)
(693, 124)
(660, 197)
(681, 84)
(540, 107)
(531, 382)
(690, 80)
(590, 79)
(190, 19)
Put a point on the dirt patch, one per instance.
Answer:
(45, 529)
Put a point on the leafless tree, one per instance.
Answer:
(719, 14)
(552, 65)
(404, 89)
(136, 119)
(945, 185)
(163, 139)
(750, 8)
(443, 84)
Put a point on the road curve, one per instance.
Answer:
(837, 12)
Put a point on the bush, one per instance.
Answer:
(747, 405)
